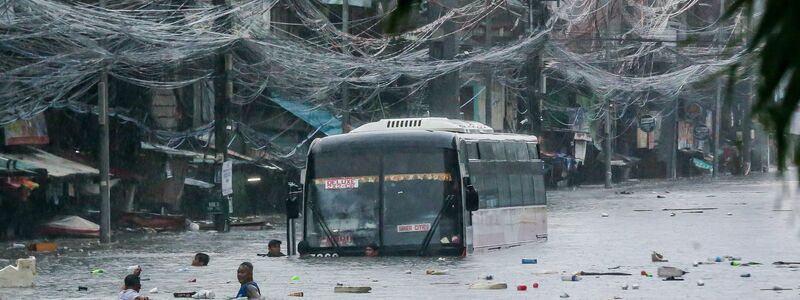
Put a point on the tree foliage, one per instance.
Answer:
(776, 42)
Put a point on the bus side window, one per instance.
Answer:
(499, 151)
(486, 151)
(521, 149)
(533, 151)
(472, 151)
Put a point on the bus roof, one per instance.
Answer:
(432, 124)
(382, 139)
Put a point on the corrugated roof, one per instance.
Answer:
(56, 166)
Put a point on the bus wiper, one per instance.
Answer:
(325, 229)
(427, 241)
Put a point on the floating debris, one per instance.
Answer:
(700, 283)
(436, 272)
(582, 273)
(296, 294)
(657, 257)
(670, 272)
(352, 289)
(488, 286)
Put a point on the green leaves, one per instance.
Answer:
(778, 40)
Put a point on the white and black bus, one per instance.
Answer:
(424, 186)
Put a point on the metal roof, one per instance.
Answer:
(56, 166)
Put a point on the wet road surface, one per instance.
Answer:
(759, 228)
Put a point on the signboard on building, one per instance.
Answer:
(701, 132)
(227, 178)
(647, 123)
(32, 131)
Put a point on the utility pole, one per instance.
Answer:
(717, 150)
(105, 193)
(346, 89)
(747, 119)
(102, 120)
(608, 145)
(488, 76)
(223, 93)
(672, 170)
(609, 150)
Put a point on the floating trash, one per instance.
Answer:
(522, 287)
(154, 290)
(564, 295)
(745, 275)
(604, 215)
(352, 289)
(670, 272)
(296, 294)
(488, 286)
(529, 261)
(570, 278)
(295, 278)
(436, 272)
(657, 257)
(535, 285)
(700, 283)
(635, 286)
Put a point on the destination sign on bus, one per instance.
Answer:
(341, 240)
(341, 183)
(414, 227)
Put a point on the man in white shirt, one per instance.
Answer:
(131, 289)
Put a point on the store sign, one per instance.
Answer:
(32, 131)
(647, 123)
(414, 227)
(227, 178)
(341, 183)
(701, 132)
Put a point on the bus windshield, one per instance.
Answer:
(389, 197)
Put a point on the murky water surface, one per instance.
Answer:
(580, 240)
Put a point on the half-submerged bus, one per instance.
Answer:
(422, 186)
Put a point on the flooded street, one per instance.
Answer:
(749, 223)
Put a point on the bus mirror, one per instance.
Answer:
(472, 201)
(293, 201)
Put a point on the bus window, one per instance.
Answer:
(521, 150)
(538, 189)
(515, 184)
(503, 187)
(484, 182)
(344, 195)
(527, 189)
(486, 151)
(499, 151)
(533, 151)
(472, 151)
(416, 184)
(511, 155)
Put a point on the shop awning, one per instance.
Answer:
(198, 183)
(197, 157)
(314, 116)
(56, 166)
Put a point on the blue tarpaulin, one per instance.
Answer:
(317, 117)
